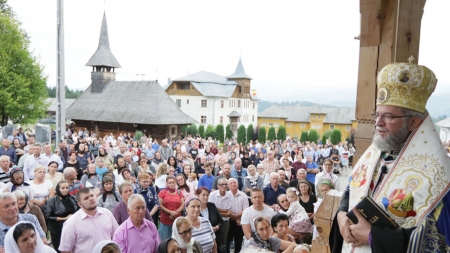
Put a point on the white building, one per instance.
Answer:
(209, 98)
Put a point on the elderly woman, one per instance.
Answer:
(110, 198)
(202, 230)
(16, 182)
(149, 194)
(21, 238)
(53, 175)
(58, 209)
(107, 159)
(25, 207)
(283, 202)
(261, 237)
(42, 189)
(253, 180)
(120, 211)
(107, 246)
(171, 203)
(91, 179)
(143, 167)
(157, 159)
(182, 233)
(262, 173)
(168, 246)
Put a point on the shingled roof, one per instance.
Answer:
(139, 102)
(295, 113)
(103, 56)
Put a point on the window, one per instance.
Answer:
(253, 118)
(183, 86)
(263, 124)
(204, 103)
(239, 103)
(347, 128)
(172, 130)
(302, 125)
(187, 101)
(331, 127)
(289, 125)
(254, 105)
(203, 119)
(240, 89)
(221, 119)
(178, 102)
(221, 105)
(314, 116)
(318, 116)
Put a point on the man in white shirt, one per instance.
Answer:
(52, 157)
(257, 209)
(33, 161)
(239, 202)
(222, 200)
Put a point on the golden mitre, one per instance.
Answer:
(405, 85)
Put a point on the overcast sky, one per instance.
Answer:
(291, 49)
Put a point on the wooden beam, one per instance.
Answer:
(390, 32)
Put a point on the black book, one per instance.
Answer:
(373, 213)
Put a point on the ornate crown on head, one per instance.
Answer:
(405, 85)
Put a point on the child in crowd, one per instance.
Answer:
(192, 180)
(100, 168)
(299, 224)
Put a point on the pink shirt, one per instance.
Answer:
(132, 239)
(81, 232)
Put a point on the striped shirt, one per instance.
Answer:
(204, 235)
(4, 177)
(238, 202)
(271, 166)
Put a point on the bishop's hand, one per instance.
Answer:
(361, 230)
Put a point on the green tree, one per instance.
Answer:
(22, 80)
(304, 137)
(324, 139)
(281, 134)
(228, 133)
(210, 131)
(201, 131)
(250, 133)
(241, 134)
(220, 133)
(271, 136)
(262, 135)
(335, 136)
(194, 130)
(138, 135)
(313, 136)
(69, 93)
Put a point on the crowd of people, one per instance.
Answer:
(206, 196)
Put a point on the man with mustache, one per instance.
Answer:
(406, 172)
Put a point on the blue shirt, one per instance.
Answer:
(22, 217)
(206, 181)
(310, 176)
(101, 171)
(9, 152)
(270, 195)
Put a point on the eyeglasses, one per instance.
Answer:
(387, 118)
(186, 232)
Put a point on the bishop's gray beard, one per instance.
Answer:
(393, 141)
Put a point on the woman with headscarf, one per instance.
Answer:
(107, 246)
(157, 159)
(253, 180)
(107, 159)
(58, 209)
(25, 207)
(202, 230)
(21, 238)
(90, 179)
(16, 182)
(261, 237)
(150, 196)
(110, 198)
(168, 246)
(182, 233)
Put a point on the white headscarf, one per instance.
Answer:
(11, 245)
(98, 248)
(175, 235)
